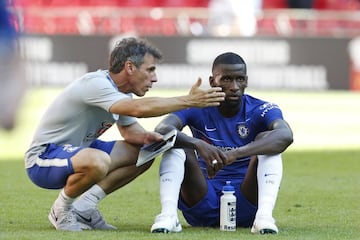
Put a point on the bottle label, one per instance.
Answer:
(231, 213)
(228, 221)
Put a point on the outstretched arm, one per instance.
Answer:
(157, 106)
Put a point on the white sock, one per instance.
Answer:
(63, 201)
(90, 198)
(171, 176)
(269, 174)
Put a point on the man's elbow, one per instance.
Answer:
(286, 141)
(163, 128)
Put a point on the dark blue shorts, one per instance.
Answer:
(54, 166)
(206, 213)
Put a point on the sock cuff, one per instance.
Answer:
(98, 191)
(64, 196)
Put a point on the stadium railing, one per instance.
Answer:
(180, 21)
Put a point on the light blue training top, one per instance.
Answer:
(79, 115)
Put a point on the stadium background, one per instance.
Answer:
(319, 197)
(280, 39)
(311, 49)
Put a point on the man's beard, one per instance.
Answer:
(231, 103)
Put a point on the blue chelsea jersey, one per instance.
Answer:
(208, 124)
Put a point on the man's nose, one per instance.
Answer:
(234, 85)
(154, 78)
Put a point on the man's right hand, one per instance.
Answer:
(214, 157)
(205, 98)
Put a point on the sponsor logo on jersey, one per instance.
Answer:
(104, 126)
(266, 107)
(94, 135)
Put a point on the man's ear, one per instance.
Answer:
(129, 66)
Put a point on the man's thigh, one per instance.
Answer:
(123, 154)
(54, 165)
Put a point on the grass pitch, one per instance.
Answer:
(319, 199)
(319, 196)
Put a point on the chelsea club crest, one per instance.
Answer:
(242, 130)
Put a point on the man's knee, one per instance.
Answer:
(92, 161)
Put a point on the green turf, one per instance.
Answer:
(319, 196)
(319, 199)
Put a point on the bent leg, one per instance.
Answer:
(171, 174)
(194, 186)
(90, 166)
(260, 187)
(178, 178)
(269, 175)
(122, 168)
(269, 178)
(249, 186)
(121, 171)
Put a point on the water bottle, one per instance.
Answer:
(228, 208)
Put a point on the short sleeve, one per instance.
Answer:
(126, 120)
(186, 115)
(99, 91)
(268, 112)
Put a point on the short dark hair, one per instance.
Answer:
(228, 58)
(132, 49)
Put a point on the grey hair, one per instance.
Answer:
(131, 49)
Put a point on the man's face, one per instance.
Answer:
(232, 79)
(144, 76)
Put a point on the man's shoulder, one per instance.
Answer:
(255, 104)
(253, 100)
(259, 106)
(97, 80)
(99, 74)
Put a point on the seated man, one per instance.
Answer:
(241, 140)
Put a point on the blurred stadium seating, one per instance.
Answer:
(309, 33)
(176, 17)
